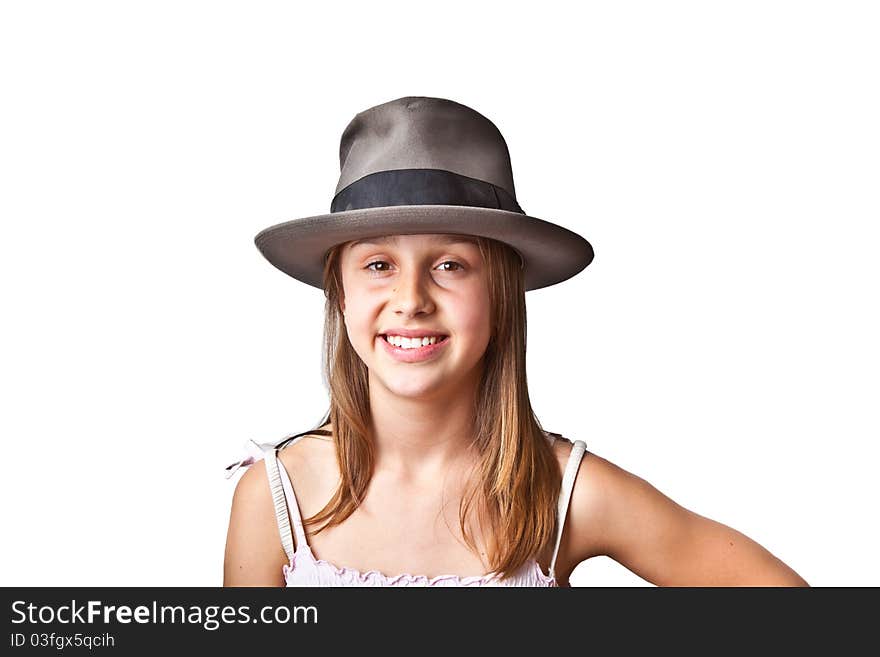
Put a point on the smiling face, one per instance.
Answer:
(427, 284)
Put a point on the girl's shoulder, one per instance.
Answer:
(562, 446)
(310, 462)
(308, 446)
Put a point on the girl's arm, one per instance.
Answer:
(254, 554)
(615, 513)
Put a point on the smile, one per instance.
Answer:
(406, 353)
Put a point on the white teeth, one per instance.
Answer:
(410, 343)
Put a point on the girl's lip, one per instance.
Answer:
(412, 355)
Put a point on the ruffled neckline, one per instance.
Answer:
(362, 576)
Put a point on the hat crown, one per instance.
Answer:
(421, 132)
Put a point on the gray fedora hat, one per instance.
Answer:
(424, 165)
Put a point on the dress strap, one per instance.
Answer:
(279, 500)
(293, 505)
(284, 499)
(574, 460)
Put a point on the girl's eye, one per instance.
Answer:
(458, 266)
(376, 262)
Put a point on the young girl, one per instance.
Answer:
(430, 467)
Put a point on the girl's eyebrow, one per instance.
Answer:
(444, 239)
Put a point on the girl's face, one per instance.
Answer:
(419, 282)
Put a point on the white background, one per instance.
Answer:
(722, 158)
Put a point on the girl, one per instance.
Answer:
(430, 467)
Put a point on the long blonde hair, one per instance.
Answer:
(518, 474)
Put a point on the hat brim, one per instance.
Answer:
(551, 254)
